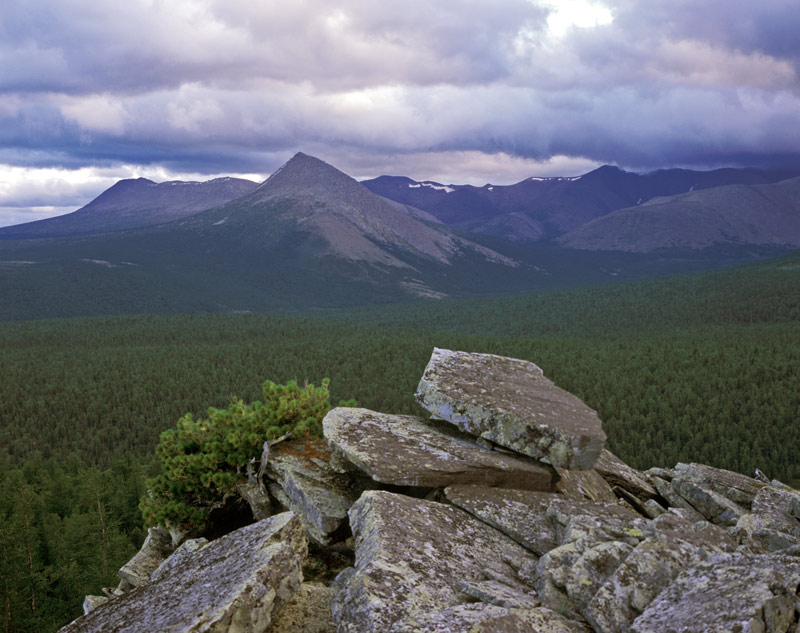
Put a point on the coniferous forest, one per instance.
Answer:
(697, 368)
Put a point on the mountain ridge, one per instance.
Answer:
(764, 214)
(537, 209)
(133, 203)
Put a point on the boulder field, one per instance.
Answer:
(501, 512)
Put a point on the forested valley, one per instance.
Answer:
(701, 368)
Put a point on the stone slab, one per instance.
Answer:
(411, 556)
(618, 473)
(729, 592)
(320, 496)
(408, 451)
(509, 401)
(229, 586)
(520, 514)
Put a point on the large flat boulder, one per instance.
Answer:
(413, 558)
(408, 451)
(230, 585)
(509, 402)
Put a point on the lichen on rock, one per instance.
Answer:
(509, 401)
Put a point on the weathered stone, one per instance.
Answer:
(759, 535)
(774, 506)
(728, 592)
(618, 473)
(736, 487)
(500, 594)
(550, 575)
(674, 500)
(156, 547)
(510, 402)
(653, 508)
(632, 500)
(662, 473)
(794, 507)
(405, 450)
(520, 514)
(252, 489)
(309, 611)
(679, 525)
(320, 496)
(486, 618)
(411, 556)
(712, 505)
(229, 586)
(598, 521)
(90, 603)
(647, 570)
(591, 570)
(584, 484)
(185, 552)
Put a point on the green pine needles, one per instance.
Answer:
(202, 460)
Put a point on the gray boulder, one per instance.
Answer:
(156, 548)
(412, 557)
(712, 505)
(185, 552)
(509, 402)
(407, 451)
(738, 488)
(90, 603)
(728, 592)
(772, 526)
(618, 473)
(480, 617)
(584, 484)
(230, 585)
(311, 489)
(308, 611)
(519, 514)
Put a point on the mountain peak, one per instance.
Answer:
(307, 175)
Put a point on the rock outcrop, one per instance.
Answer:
(509, 402)
(416, 526)
(230, 585)
(407, 451)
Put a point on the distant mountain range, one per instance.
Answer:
(134, 203)
(537, 209)
(311, 236)
(732, 214)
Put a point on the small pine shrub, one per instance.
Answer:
(202, 460)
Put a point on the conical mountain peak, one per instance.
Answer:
(306, 175)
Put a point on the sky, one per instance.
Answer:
(457, 91)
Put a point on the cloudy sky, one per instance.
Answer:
(451, 90)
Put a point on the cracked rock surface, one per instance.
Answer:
(509, 402)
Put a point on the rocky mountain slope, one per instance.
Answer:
(517, 520)
(322, 203)
(134, 203)
(542, 208)
(736, 214)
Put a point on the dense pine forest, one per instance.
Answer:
(703, 368)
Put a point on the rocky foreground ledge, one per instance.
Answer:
(504, 513)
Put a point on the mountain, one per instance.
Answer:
(308, 237)
(766, 215)
(538, 209)
(310, 197)
(135, 203)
